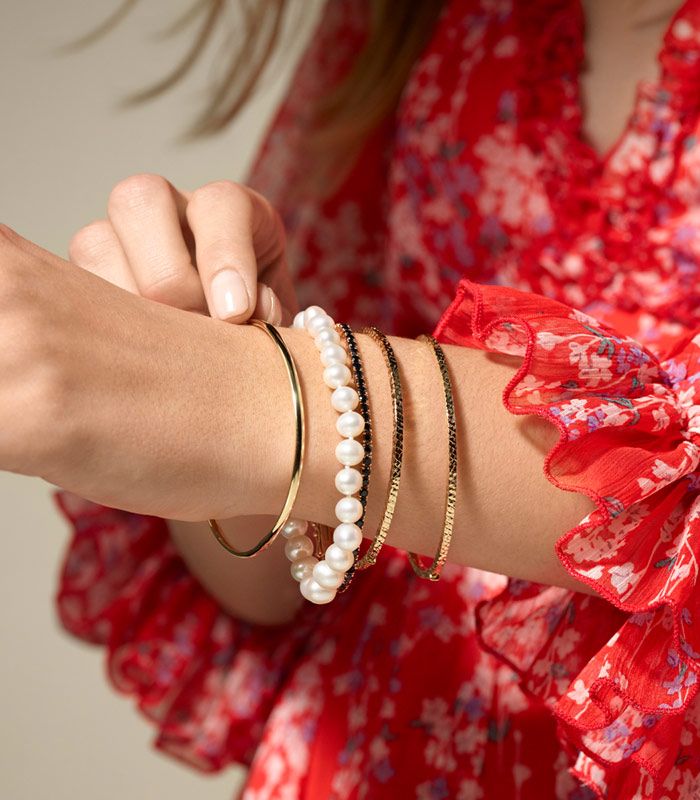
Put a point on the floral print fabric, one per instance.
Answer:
(628, 439)
(478, 211)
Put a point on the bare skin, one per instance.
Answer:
(622, 42)
(227, 225)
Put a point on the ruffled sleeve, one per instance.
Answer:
(617, 670)
(206, 680)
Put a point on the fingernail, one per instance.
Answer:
(274, 315)
(229, 294)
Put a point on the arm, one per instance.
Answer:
(511, 532)
(242, 587)
(114, 400)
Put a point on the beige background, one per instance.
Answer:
(63, 144)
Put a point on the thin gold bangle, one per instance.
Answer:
(298, 405)
(370, 557)
(432, 572)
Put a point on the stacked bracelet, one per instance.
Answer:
(432, 572)
(319, 579)
(358, 376)
(323, 569)
(370, 556)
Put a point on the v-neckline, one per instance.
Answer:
(644, 88)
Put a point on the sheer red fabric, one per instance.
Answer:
(481, 212)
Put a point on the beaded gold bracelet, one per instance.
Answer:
(432, 572)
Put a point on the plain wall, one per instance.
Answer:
(63, 144)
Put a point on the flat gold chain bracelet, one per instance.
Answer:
(370, 556)
(432, 572)
(298, 406)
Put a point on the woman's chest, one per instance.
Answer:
(622, 41)
(493, 176)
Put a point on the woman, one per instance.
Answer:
(484, 207)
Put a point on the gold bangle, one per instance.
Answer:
(298, 405)
(370, 557)
(432, 572)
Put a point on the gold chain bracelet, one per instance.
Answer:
(370, 556)
(432, 572)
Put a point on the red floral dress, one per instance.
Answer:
(481, 212)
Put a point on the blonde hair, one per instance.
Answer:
(398, 30)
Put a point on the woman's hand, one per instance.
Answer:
(219, 249)
(168, 245)
(172, 246)
(124, 401)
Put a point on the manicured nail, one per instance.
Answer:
(274, 314)
(229, 294)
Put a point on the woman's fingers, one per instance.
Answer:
(220, 248)
(268, 306)
(96, 249)
(148, 217)
(237, 236)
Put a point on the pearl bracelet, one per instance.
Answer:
(319, 580)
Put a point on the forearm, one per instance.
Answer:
(508, 514)
(147, 408)
(242, 586)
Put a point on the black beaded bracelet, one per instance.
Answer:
(361, 386)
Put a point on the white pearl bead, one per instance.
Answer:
(336, 375)
(333, 354)
(298, 547)
(326, 576)
(337, 559)
(347, 536)
(348, 481)
(294, 527)
(350, 424)
(344, 398)
(326, 337)
(313, 311)
(349, 452)
(299, 322)
(316, 324)
(348, 509)
(312, 590)
(301, 570)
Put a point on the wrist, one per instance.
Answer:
(319, 463)
(256, 427)
(317, 496)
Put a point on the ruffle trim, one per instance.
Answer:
(206, 680)
(618, 670)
